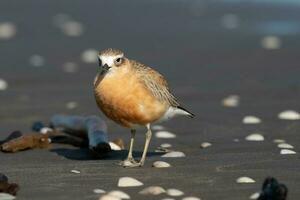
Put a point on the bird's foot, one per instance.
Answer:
(130, 162)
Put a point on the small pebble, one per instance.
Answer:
(72, 105)
(254, 195)
(98, 191)
(289, 115)
(119, 194)
(231, 101)
(245, 179)
(271, 42)
(153, 190)
(278, 141)
(158, 128)
(7, 30)
(109, 197)
(285, 146)
(129, 182)
(6, 196)
(70, 67)
(75, 171)
(205, 145)
(165, 145)
(90, 56)
(36, 60)
(287, 151)
(161, 164)
(114, 146)
(173, 154)
(251, 120)
(174, 192)
(255, 137)
(164, 134)
(191, 198)
(3, 84)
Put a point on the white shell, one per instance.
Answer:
(251, 120)
(245, 179)
(205, 145)
(153, 190)
(161, 164)
(289, 115)
(37, 60)
(129, 182)
(191, 198)
(5, 196)
(119, 194)
(271, 42)
(287, 151)
(72, 28)
(75, 171)
(98, 191)
(174, 192)
(285, 146)
(165, 134)
(90, 56)
(70, 67)
(45, 130)
(7, 30)
(173, 154)
(3, 84)
(157, 128)
(231, 101)
(255, 137)
(71, 105)
(166, 145)
(278, 141)
(254, 195)
(114, 147)
(108, 197)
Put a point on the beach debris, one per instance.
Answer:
(6, 196)
(273, 190)
(285, 146)
(230, 21)
(289, 115)
(236, 140)
(287, 151)
(6, 187)
(271, 42)
(70, 67)
(254, 195)
(71, 105)
(161, 164)
(30, 141)
(231, 101)
(255, 137)
(251, 120)
(174, 192)
(99, 191)
(75, 171)
(129, 182)
(3, 84)
(7, 30)
(204, 145)
(278, 141)
(109, 197)
(153, 190)
(173, 154)
(191, 198)
(119, 194)
(90, 56)
(165, 134)
(158, 128)
(114, 146)
(168, 199)
(119, 142)
(37, 60)
(165, 145)
(46, 130)
(245, 179)
(72, 28)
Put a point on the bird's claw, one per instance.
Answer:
(130, 162)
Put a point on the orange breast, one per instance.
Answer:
(124, 99)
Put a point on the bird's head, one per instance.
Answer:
(110, 60)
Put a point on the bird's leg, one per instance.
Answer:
(129, 162)
(148, 138)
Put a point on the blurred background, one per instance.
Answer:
(207, 50)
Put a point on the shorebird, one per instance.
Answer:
(132, 95)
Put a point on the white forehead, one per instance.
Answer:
(109, 59)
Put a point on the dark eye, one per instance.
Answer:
(100, 62)
(118, 61)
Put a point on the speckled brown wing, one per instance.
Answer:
(155, 83)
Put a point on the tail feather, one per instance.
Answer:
(191, 115)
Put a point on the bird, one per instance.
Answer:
(133, 95)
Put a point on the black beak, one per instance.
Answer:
(105, 68)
